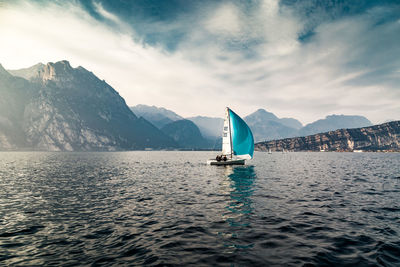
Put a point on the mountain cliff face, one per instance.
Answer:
(383, 137)
(59, 108)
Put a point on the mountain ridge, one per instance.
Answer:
(267, 126)
(334, 122)
(210, 127)
(381, 137)
(186, 134)
(158, 116)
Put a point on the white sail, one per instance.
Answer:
(226, 136)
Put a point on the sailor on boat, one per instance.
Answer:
(221, 157)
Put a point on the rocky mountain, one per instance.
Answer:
(334, 122)
(15, 93)
(59, 108)
(186, 134)
(209, 127)
(383, 137)
(266, 126)
(157, 116)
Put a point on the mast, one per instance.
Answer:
(230, 130)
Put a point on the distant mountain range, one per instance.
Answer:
(56, 107)
(196, 133)
(210, 127)
(334, 122)
(187, 135)
(264, 125)
(157, 116)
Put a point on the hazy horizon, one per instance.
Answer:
(296, 59)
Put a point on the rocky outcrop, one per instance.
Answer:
(383, 137)
(56, 107)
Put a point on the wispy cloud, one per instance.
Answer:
(226, 55)
(105, 14)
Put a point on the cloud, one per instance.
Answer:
(105, 14)
(224, 21)
(334, 72)
(226, 55)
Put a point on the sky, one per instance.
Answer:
(301, 59)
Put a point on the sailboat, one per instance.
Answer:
(237, 141)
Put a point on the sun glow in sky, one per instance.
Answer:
(299, 59)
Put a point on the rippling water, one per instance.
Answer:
(169, 208)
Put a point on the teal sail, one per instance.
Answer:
(242, 137)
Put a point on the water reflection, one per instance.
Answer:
(239, 185)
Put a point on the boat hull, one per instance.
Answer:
(228, 162)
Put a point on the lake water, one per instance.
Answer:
(170, 208)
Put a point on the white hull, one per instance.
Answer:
(227, 162)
